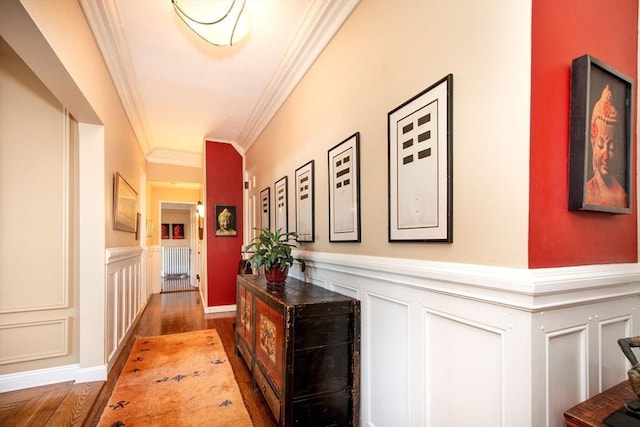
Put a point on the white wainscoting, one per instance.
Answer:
(127, 295)
(462, 345)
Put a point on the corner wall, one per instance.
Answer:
(224, 186)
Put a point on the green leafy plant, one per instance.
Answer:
(270, 249)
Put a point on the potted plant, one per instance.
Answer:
(272, 251)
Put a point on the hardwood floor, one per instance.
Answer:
(66, 404)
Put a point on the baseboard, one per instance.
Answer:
(94, 373)
(220, 309)
(38, 377)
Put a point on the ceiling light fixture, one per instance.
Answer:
(219, 22)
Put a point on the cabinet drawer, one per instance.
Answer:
(267, 392)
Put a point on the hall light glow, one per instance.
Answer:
(219, 22)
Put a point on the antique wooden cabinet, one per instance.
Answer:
(301, 343)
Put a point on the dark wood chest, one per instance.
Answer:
(301, 343)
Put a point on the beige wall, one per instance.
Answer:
(38, 293)
(65, 28)
(54, 40)
(173, 173)
(386, 53)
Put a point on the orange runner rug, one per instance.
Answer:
(176, 380)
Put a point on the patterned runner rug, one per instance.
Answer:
(176, 380)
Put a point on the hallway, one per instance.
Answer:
(177, 284)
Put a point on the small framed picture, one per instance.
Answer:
(344, 190)
(164, 230)
(305, 202)
(600, 155)
(177, 231)
(124, 205)
(281, 194)
(265, 208)
(225, 216)
(421, 166)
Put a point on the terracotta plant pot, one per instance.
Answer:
(276, 275)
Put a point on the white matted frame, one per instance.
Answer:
(421, 166)
(281, 196)
(265, 208)
(305, 202)
(344, 190)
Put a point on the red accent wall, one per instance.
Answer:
(562, 31)
(224, 187)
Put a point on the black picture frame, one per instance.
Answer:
(601, 105)
(420, 135)
(177, 231)
(265, 208)
(344, 190)
(305, 203)
(281, 204)
(165, 231)
(226, 221)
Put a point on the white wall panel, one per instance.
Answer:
(612, 366)
(126, 296)
(463, 355)
(462, 345)
(387, 356)
(566, 372)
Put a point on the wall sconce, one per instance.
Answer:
(220, 23)
(200, 214)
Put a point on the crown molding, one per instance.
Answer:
(321, 23)
(104, 21)
(178, 158)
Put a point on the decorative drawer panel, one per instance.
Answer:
(269, 341)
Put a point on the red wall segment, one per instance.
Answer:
(225, 186)
(562, 31)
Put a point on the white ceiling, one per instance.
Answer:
(179, 90)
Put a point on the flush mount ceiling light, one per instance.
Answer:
(219, 22)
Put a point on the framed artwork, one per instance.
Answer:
(166, 234)
(265, 208)
(124, 205)
(177, 231)
(138, 220)
(344, 190)
(421, 166)
(225, 216)
(305, 202)
(281, 204)
(600, 156)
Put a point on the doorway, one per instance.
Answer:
(178, 236)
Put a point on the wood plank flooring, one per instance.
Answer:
(66, 404)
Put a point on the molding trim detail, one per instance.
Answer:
(521, 288)
(44, 349)
(172, 157)
(103, 15)
(323, 21)
(219, 309)
(38, 377)
(118, 254)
